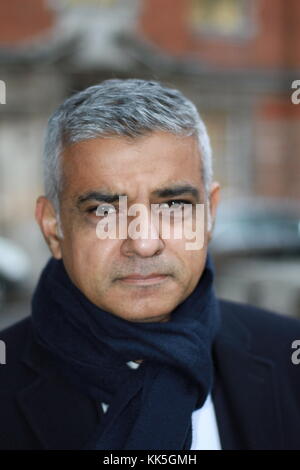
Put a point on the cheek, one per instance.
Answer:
(179, 248)
(89, 256)
(196, 260)
(192, 261)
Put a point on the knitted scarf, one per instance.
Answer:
(151, 406)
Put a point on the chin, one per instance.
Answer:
(156, 318)
(144, 315)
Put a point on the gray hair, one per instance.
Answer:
(129, 107)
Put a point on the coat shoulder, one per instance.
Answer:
(257, 317)
(15, 336)
(14, 372)
(271, 333)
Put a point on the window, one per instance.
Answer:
(222, 17)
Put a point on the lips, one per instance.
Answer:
(152, 278)
(139, 276)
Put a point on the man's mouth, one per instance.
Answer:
(137, 279)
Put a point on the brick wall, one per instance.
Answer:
(22, 20)
(274, 42)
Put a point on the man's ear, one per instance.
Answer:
(214, 198)
(46, 217)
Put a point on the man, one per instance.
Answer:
(127, 346)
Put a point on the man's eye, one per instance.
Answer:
(105, 209)
(173, 204)
(102, 210)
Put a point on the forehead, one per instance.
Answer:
(131, 166)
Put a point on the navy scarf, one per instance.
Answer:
(151, 406)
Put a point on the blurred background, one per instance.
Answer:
(236, 59)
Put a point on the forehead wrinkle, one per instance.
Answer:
(144, 180)
(162, 191)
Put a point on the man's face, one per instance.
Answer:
(140, 169)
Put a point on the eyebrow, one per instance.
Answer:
(98, 196)
(178, 190)
(168, 191)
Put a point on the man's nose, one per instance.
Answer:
(145, 241)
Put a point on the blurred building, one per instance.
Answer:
(243, 57)
(236, 59)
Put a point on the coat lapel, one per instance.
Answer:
(60, 416)
(245, 391)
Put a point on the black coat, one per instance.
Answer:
(256, 391)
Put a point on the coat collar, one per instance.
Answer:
(245, 393)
